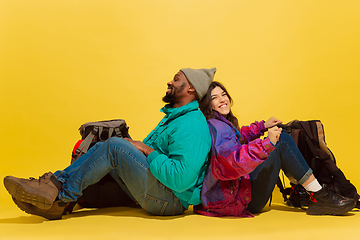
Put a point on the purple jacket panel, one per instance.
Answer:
(226, 188)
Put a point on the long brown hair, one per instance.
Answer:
(206, 108)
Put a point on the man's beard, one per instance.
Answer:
(169, 98)
(172, 95)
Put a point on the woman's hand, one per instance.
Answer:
(271, 122)
(274, 134)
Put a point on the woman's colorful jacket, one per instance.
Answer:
(226, 188)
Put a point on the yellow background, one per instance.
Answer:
(64, 63)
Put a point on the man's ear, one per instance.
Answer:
(191, 88)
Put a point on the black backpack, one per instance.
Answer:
(107, 192)
(309, 136)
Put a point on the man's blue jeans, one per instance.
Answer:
(129, 168)
(287, 157)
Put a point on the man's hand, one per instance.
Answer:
(142, 147)
(274, 134)
(271, 122)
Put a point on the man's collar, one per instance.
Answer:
(167, 109)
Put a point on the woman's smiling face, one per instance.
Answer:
(220, 101)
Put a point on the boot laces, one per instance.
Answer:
(40, 177)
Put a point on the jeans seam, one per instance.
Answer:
(299, 165)
(133, 158)
(174, 209)
(78, 181)
(165, 187)
(148, 198)
(306, 176)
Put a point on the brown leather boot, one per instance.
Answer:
(40, 192)
(55, 212)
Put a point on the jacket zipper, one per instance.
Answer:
(231, 188)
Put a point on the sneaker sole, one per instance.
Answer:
(51, 214)
(303, 203)
(324, 210)
(27, 195)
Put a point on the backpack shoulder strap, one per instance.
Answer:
(321, 135)
(84, 146)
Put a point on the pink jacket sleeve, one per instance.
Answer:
(230, 159)
(255, 130)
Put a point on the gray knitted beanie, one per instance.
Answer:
(200, 79)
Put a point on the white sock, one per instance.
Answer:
(314, 186)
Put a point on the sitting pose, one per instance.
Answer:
(243, 168)
(163, 174)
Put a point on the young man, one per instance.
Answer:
(164, 173)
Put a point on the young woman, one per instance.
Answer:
(243, 168)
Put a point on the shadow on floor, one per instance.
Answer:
(113, 211)
(137, 211)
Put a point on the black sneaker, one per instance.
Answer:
(298, 197)
(325, 202)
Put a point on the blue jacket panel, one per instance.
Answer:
(182, 143)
